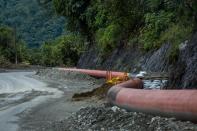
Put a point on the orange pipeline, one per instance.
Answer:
(181, 104)
(95, 73)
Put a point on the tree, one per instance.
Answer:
(10, 45)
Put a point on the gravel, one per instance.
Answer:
(107, 118)
(113, 118)
(56, 74)
(69, 80)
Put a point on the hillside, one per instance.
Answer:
(153, 35)
(34, 23)
(133, 35)
(69, 65)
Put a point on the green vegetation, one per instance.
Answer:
(107, 37)
(35, 20)
(63, 51)
(115, 23)
(10, 46)
(106, 25)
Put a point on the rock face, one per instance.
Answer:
(130, 59)
(34, 22)
(157, 61)
(183, 73)
(120, 59)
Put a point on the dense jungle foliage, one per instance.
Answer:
(64, 50)
(37, 29)
(35, 20)
(106, 25)
(119, 23)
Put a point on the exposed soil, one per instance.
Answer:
(100, 93)
(39, 117)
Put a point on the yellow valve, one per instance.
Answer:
(116, 80)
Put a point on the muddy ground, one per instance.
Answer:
(52, 110)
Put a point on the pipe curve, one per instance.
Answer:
(181, 104)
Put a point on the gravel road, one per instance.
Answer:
(18, 92)
(29, 101)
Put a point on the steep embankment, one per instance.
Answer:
(182, 73)
(34, 22)
(128, 59)
(116, 30)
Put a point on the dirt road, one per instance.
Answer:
(29, 103)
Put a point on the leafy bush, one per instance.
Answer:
(155, 24)
(35, 57)
(65, 50)
(71, 48)
(107, 38)
(176, 34)
(4, 62)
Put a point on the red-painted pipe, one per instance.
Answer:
(181, 104)
(95, 73)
